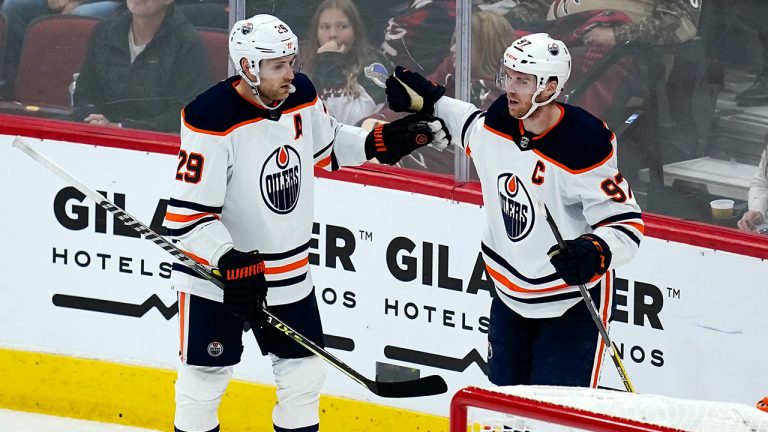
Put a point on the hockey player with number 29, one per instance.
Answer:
(243, 201)
(527, 148)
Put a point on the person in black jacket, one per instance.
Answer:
(141, 67)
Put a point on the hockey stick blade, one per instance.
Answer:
(427, 386)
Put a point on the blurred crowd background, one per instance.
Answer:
(682, 83)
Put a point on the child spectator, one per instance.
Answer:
(342, 65)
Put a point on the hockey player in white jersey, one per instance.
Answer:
(242, 200)
(526, 148)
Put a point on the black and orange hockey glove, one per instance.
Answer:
(245, 287)
(409, 91)
(583, 259)
(389, 142)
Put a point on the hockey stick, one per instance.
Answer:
(427, 386)
(592, 308)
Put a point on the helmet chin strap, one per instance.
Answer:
(255, 90)
(535, 105)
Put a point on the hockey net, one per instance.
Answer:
(566, 409)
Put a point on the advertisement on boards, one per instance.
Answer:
(401, 286)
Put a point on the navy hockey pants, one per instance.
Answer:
(565, 350)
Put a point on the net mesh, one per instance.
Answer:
(663, 412)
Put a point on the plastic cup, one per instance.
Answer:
(721, 208)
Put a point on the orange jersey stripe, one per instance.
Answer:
(245, 123)
(322, 163)
(583, 170)
(606, 305)
(207, 132)
(507, 283)
(288, 267)
(636, 225)
(607, 300)
(541, 135)
(296, 108)
(499, 133)
(596, 373)
(175, 217)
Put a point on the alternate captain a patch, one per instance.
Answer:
(516, 206)
(281, 180)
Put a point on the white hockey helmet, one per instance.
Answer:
(258, 38)
(540, 55)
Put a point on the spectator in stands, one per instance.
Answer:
(19, 13)
(142, 66)
(755, 217)
(419, 36)
(754, 13)
(528, 15)
(341, 63)
(660, 22)
(491, 35)
(592, 27)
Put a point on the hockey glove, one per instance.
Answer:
(245, 288)
(583, 259)
(389, 142)
(409, 91)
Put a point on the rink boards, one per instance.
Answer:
(87, 310)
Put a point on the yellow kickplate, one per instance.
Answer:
(143, 397)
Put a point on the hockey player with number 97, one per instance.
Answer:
(528, 148)
(243, 201)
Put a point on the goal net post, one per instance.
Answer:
(566, 409)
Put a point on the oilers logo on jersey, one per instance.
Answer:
(281, 180)
(516, 207)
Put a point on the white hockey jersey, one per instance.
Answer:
(245, 179)
(572, 168)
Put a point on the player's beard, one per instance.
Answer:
(275, 92)
(520, 108)
(524, 104)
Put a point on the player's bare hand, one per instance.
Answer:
(62, 6)
(750, 220)
(600, 36)
(70, 7)
(99, 119)
(333, 46)
(56, 5)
